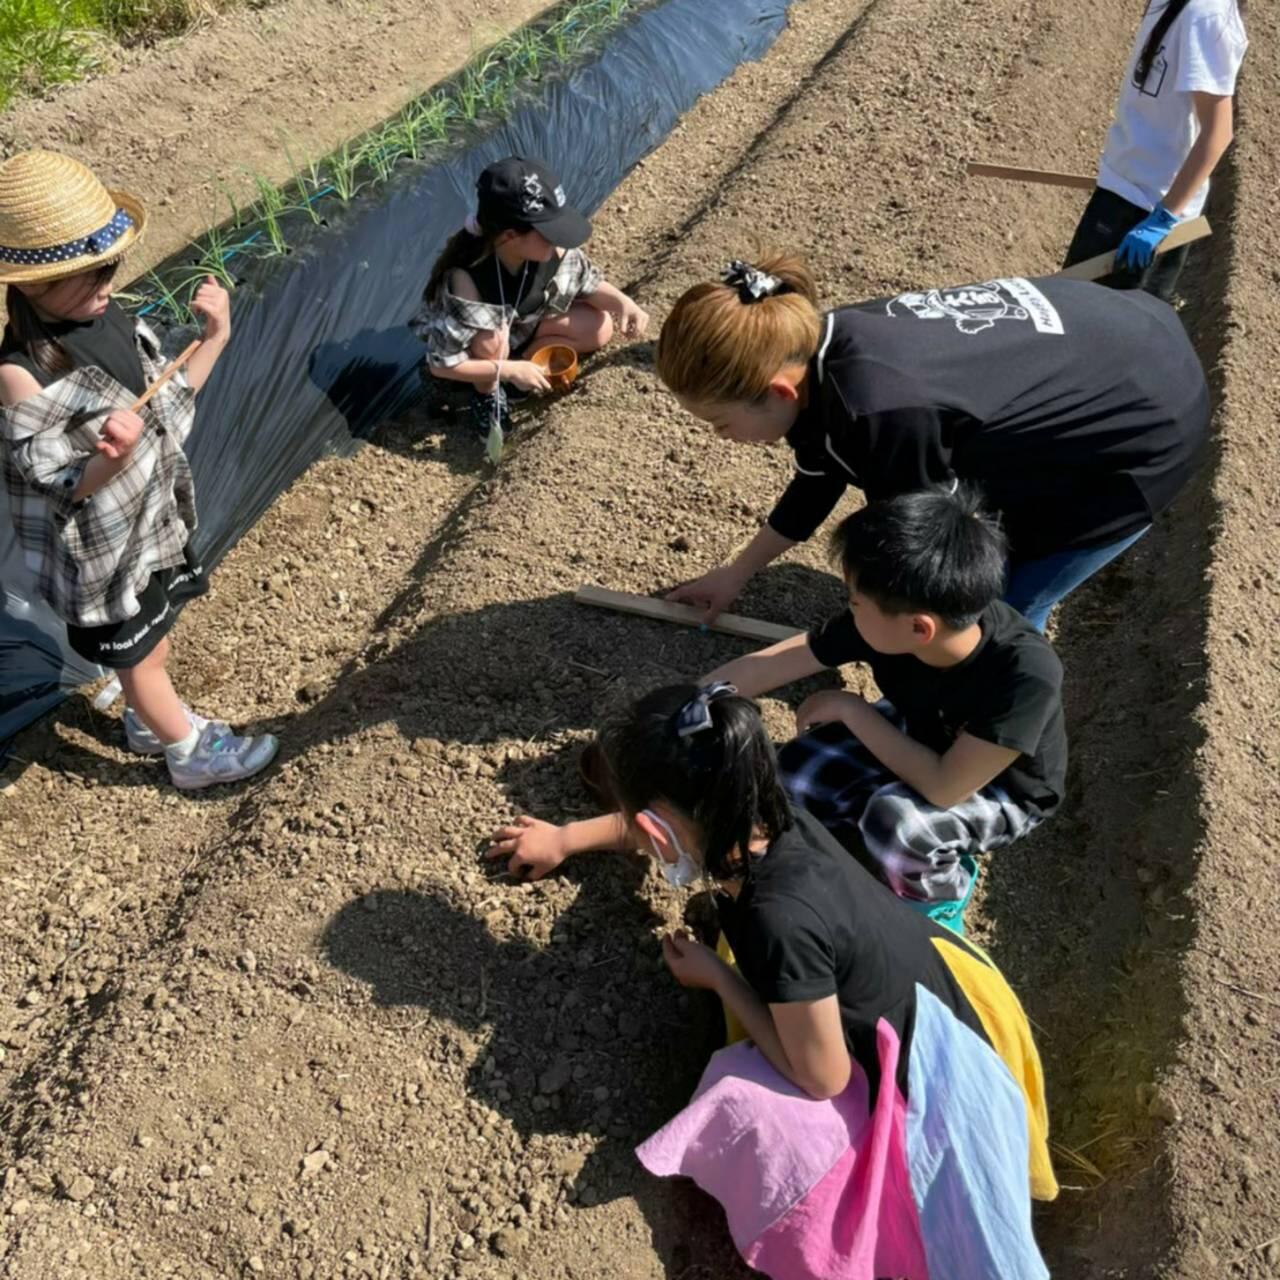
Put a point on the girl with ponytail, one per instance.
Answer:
(853, 1003)
(1077, 412)
(1172, 125)
(514, 279)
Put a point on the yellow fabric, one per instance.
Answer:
(1007, 1028)
(733, 1029)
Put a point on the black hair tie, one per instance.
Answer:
(752, 284)
(695, 715)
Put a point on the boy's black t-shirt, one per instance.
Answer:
(1007, 691)
(106, 342)
(1079, 411)
(812, 922)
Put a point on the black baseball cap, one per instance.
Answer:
(522, 192)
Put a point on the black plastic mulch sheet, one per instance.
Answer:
(321, 353)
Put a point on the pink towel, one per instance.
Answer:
(811, 1189)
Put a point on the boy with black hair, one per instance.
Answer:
(967, 751)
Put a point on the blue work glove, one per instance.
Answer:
(1139, 246)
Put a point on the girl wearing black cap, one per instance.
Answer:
(1078, 412)
(512, 281)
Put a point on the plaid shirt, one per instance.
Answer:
(449, 325)
(91, 558)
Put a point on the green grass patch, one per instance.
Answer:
(50, 42)
(43, 42)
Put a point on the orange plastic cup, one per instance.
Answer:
(560, 364)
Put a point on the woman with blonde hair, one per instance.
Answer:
(1078, 412)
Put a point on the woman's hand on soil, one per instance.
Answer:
(213, 302)
(120, 433)
(826, 708)
(714, 591)
(526, 375)
(692, 963)
(532, 848)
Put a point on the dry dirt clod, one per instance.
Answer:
(556, 1076)
(80, 1189)
(314, 1162)
(508, 1242)
(570, 1164)
(75, 1186)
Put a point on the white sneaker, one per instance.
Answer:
(141, 741)
(220, 756)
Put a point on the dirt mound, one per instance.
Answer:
(299, 1031)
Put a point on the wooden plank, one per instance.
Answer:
(1103, 264)
(731, 624)
(1082, 182)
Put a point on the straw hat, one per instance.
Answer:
(57, 219)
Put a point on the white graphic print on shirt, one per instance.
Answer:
(975, 308)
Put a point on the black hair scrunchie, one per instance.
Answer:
(752, 284)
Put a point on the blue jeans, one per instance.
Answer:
(1035, 586)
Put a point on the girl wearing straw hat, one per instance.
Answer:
(101, 496)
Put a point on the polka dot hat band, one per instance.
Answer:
(57, 219)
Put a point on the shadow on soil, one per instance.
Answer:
(572, 1032)
(1103, 985)
(522, 672)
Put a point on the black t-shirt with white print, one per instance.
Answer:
(1008, 691)
(811, 922)
(1079, 411)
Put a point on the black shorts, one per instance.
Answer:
(121, 645)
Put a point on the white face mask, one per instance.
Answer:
(683, 871)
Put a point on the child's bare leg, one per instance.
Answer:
(582, 327)
(148, 690)
(492, 345)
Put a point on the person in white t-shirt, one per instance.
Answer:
(1172, 125)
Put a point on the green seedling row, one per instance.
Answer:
(486, 91)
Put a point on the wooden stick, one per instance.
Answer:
(165, 376)
(1104, 263)
(730, 624)
(977, 169)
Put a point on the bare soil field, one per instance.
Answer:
(298, 1030)
(185, 124)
